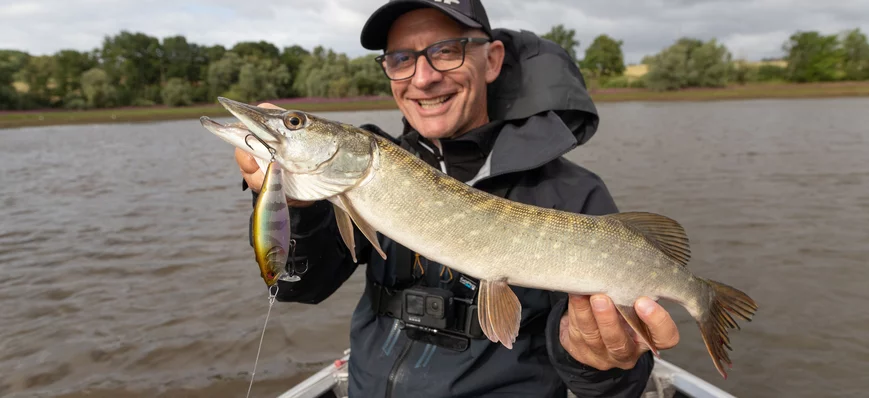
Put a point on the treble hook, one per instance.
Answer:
(272, 151)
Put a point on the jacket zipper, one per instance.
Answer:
(439, 155)
(396, 366)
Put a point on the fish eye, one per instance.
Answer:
(295, 120)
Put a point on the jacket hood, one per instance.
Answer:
(538, 76)
(542, 96)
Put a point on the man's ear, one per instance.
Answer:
(494, 60)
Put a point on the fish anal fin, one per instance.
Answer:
(366, 229)
(665, 233)
(345, 227)
(499, 311)
(630, 314)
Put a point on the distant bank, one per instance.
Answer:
(157, 113)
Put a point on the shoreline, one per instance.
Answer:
(55, 117)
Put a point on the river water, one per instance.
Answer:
(126, 269)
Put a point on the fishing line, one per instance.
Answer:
(271, 303)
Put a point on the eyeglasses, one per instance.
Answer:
(442, 56)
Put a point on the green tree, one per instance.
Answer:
(856, 55)
(259, 81)
(177, 92)
(133, 61)
(768, 73)
(250, 50)
(69, 66)
(689, 63)
(209, 55)
(182, 59)
(324, 74)
(98, 89)
(604, 57)
(813, 57)
(711, 65)
(223, 73)
(11, 62)
(292, 57)
(368, 77)
(564, 38)
(37, 74)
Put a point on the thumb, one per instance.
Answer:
(661, 326)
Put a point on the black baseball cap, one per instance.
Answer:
(469, 13)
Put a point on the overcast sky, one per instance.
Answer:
(751, 29)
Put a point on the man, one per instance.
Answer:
(444, 64)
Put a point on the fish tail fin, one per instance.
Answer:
(715, 321)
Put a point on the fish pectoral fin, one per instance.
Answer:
(499, 312)
(665, 233)
(630, 314)
(366, 229)
(345, 227)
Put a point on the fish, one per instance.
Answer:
(378, 186)
(270, 225)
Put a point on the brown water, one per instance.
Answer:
(126, 269)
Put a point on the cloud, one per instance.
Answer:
(751, 29)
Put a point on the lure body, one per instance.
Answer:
(271, 227)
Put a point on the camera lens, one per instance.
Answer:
(435, 306)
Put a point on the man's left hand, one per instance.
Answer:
(595, 334)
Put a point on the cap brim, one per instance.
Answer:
(376, 29)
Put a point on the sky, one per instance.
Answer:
(751, 29)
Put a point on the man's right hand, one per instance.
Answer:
(251, 172)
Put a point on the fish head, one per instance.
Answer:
(323, 158)
(299, 139)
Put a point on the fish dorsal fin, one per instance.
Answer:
(665, 233)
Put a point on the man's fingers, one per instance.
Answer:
(246, 163)
(250, 170)
(609, 321)
(270, 106)
(583, 326)
(661, 326)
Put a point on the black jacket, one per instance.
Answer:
(536, 122)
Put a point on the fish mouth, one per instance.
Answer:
(260, 121)
(236, 135)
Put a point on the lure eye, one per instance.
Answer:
(295, 121)
(270, 275)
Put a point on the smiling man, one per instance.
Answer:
(495, 109)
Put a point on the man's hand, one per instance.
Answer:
(251, 172)
(595, 334)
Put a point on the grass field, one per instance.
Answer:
(126, 115)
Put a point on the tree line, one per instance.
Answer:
(809, 56)
(135, 69)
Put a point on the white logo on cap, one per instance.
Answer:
(447, 2)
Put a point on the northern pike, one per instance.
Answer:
(378, 186)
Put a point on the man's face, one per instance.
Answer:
(443, 104)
